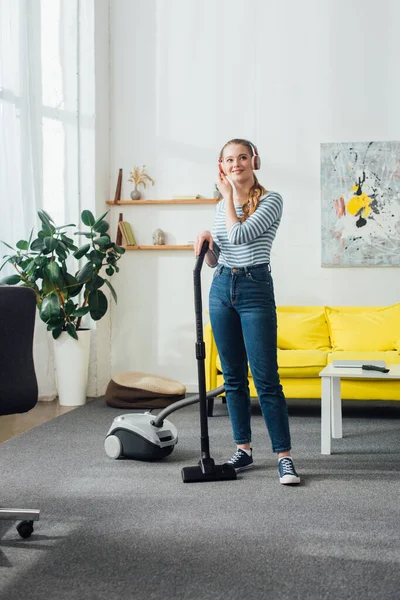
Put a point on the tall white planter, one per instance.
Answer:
(71, 359)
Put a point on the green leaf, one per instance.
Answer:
(85, 273)
(45, 218)
(81, 312)
(50, 308)
(22, 245)
(52, 271)
(48, 216)
(88, 218)
(37, 245)
(48, 287)
(72, 331)
(64, 226)
(5, 262)
(50, 243)
(114, 295)
(95, 283)
(10, 280)
(98, 304)
(110, 270)
(8, 246)
(100, 218)
(62, 253)
(119, 249)
(68, 242)
(59, 323)
(104, 240)
(85, 233)
(47, 225)
(101, 227)
(57, 332)
(69, 307)
(82, 251)
(72, 284)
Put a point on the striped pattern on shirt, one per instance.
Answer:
(248, 243)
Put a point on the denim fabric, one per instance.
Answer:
(244, 324)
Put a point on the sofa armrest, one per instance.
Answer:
(211, 358)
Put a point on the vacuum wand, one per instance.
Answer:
(206, 470)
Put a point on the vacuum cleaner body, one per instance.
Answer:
(135, 436)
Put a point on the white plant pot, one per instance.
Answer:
(71, 359)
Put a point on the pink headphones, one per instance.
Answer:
(255, 159)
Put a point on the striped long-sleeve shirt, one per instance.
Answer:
(248, 243)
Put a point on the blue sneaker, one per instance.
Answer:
(287, 472)
(241, 461)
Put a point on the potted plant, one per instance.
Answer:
(138, 176)
(64, 295)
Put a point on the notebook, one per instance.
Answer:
(357, 364)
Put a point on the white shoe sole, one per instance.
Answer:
(289, 479)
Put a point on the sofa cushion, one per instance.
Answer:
(302, 331)
(377, 329)
(301, 363)
(296, 363)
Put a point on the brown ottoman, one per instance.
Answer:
(133, 389)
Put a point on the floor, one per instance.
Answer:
(12, 425)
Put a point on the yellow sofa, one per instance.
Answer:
(310, 337)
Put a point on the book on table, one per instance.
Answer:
(357, 364)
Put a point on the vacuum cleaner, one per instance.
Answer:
(148, 437)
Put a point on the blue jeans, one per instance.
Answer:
(244, 325)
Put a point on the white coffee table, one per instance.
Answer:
(331, 402)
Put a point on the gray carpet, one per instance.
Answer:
(132, 530)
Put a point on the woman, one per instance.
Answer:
(242, 303)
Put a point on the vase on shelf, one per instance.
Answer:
(135, 194)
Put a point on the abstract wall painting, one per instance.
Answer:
(360, 190)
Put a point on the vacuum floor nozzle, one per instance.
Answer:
(207, 470)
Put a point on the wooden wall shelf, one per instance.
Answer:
(172, 201)
(163, 247)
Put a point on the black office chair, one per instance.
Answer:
(18, 383)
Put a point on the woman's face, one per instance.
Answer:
(236, 163)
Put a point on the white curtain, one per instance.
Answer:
(46, 126)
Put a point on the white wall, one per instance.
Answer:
(185, 77)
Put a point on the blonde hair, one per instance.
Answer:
(256, 190)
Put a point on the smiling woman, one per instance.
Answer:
(242, 303)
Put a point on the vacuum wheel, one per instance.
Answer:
(25, 529)
(113, 446)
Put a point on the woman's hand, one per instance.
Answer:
(224, 186)
(198, 242)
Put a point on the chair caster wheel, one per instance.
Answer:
(25, 529)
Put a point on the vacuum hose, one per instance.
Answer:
(159, 420)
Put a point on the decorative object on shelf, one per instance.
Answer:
(118, 239)
(217, 193)
(63, 298)
(159, 237)
(138, 176)
(117, 196)
(127, 233)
